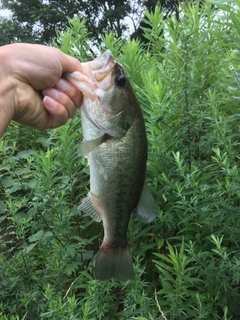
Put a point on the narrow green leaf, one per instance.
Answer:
(235, 21)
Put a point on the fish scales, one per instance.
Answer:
(119, 186)
(116, 145)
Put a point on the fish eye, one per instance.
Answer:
(120, 81)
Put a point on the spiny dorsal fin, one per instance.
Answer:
(146, 208)
(88, 146)
(87, 207)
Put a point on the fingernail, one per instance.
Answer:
(53, 93)
(75, 74)
(61, 85)
(49, 102)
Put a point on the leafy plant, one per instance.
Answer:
(186, 262)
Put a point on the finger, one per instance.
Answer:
(69, 64)
(74, 94)
(62, 99)
(58, 114)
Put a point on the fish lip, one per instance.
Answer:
(100, 67)
(93, 74)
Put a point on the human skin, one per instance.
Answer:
(32, 90)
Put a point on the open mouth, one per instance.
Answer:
(100, 67)
(93, 75)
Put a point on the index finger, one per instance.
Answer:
(69, 64)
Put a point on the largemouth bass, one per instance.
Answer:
(116, 146)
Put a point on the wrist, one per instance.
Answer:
(6, 93)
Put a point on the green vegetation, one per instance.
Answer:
(35, 21)
(187, 262)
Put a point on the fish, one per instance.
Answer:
(115, 144)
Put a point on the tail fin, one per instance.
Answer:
(114, 263)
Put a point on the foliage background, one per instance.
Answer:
(35, 21)
(186, 263)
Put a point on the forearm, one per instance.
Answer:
(6, 93)
(6, 104)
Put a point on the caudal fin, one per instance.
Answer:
(114, 263)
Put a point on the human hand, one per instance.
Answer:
(35, 92)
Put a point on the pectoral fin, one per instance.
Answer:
(88, 146)
(87, 207)
(146, 208)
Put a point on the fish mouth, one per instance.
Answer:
(100, 67)
(93, 75)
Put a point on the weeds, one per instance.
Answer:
(187, 261)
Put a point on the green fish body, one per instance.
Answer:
(116, 144)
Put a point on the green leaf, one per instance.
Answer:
(71, 268)
(7, 182)
(29, 248)
(236, 21)
(24, 154)
(37, 236)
